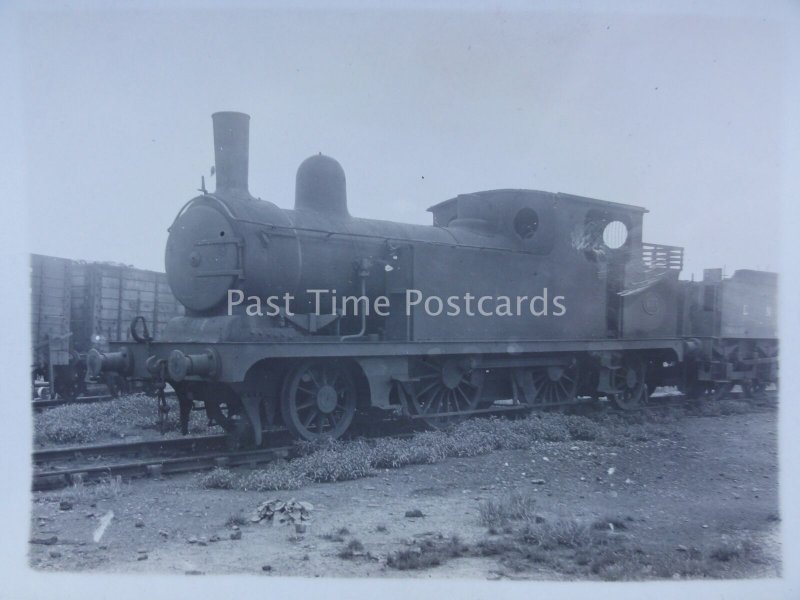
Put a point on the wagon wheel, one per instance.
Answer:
(721, 389)
(753, 388)
(318, 400)
(450, 387)
(69, 380)
(116, 384)
(554, 385)
(694, 390)
(629, 382)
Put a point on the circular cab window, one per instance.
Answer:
(526, 223)
(615, 234)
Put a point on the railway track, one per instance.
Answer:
(39, 405)
(63, 466)
(57, 467)
(156, 467)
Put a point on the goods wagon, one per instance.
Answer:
(54, 360)
(96, 306)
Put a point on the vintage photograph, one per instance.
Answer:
(421, 293)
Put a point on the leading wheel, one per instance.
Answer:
(222, 405)
(318, 400)
(629, 383)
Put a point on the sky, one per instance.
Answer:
(679, 113)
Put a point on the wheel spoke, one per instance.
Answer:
(436, 402)
(463, 394)
(311, 415)
(427, 389)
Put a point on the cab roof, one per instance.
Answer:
(557, 195)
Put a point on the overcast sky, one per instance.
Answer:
(680, 114)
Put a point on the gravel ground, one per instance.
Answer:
(697, 497)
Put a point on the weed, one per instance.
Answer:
(562, 533)
(219, 478)
(352, 549)
(336, 536)
(86, 493)
(338, 461)
(428, 554)
(497, 513)
(725, 553)
(237, 519)
(86, 423)
(582, 428)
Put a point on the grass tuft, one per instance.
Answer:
(80, 493)
(497, 513)
(237, 519)
(219, 478)
(351, 550)
(430, 553)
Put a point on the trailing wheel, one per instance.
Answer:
(446, 391)
(318, 399)
(628, 381)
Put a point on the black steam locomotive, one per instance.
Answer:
(512, 299)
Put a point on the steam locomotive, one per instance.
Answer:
(626, 324)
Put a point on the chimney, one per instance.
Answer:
(231, 148)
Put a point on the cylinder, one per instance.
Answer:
(231, 151)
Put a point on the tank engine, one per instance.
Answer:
(567, 303)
